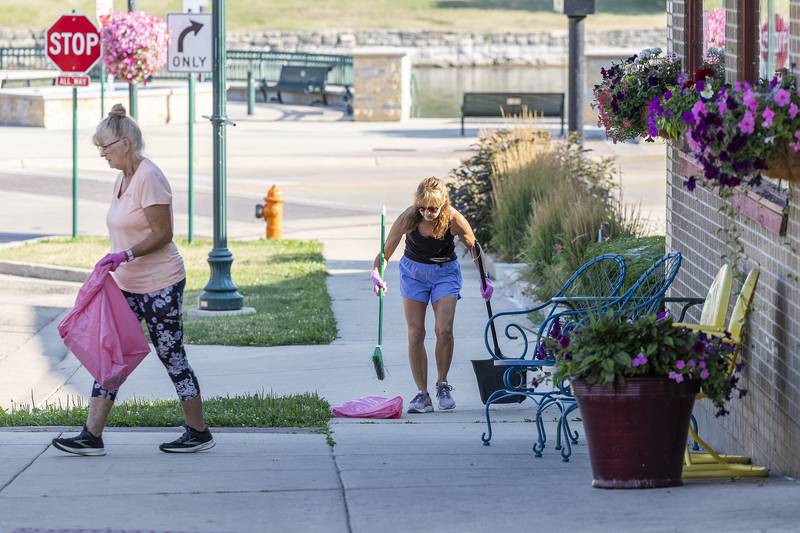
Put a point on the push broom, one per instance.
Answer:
(377, 355)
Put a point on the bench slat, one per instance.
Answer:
(479, 104)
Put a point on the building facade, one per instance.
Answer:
(759, 37)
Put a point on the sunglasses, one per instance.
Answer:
(429, 209)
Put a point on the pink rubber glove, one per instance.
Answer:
(377, 282)
(486, 293)
(114, 259)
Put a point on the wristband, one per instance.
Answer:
(129, 255)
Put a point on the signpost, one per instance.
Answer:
(103, 10)
(576, 10)
(73, 45)
(190, 51)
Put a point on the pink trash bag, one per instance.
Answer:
(103, 332)
(370, 407)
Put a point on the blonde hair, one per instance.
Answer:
(430, 192)
(122, 127)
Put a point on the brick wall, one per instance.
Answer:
(766, 423)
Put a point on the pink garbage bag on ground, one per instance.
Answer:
(370, 407)
(103, 332)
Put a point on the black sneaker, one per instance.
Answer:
(191, 441)
(83, 444)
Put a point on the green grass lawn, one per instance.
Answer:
(256, 410)
(283, 280)
(297, 15)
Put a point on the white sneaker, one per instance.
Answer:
(421, 403)
(443, 397)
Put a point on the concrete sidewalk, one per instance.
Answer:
(419, 472)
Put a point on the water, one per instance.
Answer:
(439, 90)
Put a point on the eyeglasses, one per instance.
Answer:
(429, 209)
(103, 147)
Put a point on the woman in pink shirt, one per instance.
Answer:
(148, 268)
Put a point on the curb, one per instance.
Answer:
(34, 270)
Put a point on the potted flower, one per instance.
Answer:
(744, 131)
(135, 45)
(668, 112)
(635, 382)
(623, 96)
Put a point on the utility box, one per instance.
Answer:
(574, 8)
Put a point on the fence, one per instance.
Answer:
(264, 65)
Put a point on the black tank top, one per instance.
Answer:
(430, 249)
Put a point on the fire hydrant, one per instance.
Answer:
(272, 213)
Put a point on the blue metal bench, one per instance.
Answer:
(566, 313)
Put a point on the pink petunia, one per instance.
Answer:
(748, 122)
(792, 111)
(749, 100)
(768, 115)
(782, 97)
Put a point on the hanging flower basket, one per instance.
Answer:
(784, 165)
(135, 45)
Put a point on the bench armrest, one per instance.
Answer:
(687, 302)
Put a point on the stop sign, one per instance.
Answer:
(73, 43)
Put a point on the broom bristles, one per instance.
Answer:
(377, 362)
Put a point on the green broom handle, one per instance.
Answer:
(380, 269)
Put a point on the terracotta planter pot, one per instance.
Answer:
(637, 432)
(785, 165)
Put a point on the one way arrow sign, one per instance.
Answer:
(189, 43)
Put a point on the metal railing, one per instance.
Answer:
(32, 58)
(264, 65)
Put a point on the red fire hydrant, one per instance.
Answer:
(272, 213)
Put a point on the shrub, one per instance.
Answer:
(471, 183)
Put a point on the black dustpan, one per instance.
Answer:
(490, 377)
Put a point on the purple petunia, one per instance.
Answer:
(792, 111)
(676, 377)
(639, 360)
(680, 364)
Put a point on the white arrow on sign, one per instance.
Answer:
(190, 42)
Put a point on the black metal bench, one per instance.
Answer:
(507, 104)
(299, 79)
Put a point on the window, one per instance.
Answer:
(773, 24)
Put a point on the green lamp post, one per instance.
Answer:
(220, 293)
(133, 96)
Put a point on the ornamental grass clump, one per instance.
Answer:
(737, 132)
(608, 349)
(623, 96)
(135, 45)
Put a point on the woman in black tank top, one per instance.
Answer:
(429, 272)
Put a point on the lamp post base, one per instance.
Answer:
(220, 293)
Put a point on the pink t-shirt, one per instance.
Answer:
(128, 226)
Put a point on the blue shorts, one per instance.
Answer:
(425, 282)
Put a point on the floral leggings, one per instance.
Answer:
(162, 312)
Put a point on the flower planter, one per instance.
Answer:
(784, 166)
(636, 432)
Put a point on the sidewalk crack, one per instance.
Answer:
(24, 468)
(342, 490)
